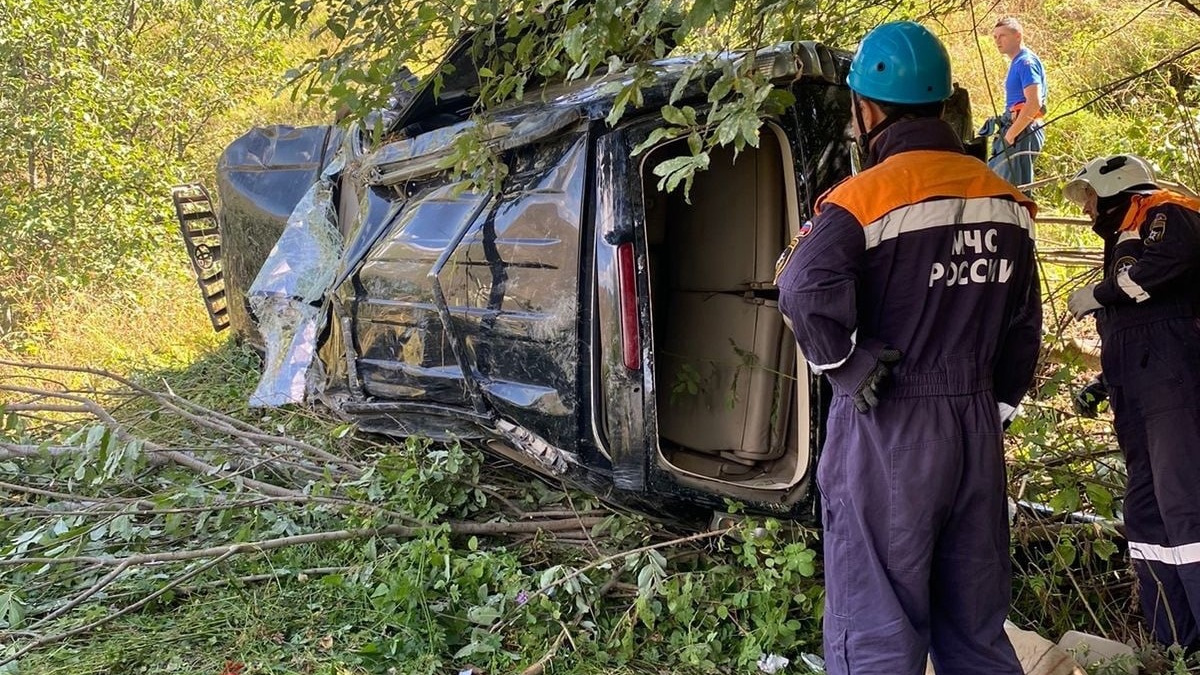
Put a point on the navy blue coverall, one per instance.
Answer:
(1150, 353)
(931, 253)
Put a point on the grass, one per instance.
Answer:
(286, 626)
(156, 322)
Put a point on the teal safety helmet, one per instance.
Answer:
(903, 63)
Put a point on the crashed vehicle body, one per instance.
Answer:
(579, 321)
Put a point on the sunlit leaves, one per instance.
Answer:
(521, 46)
(103, 105)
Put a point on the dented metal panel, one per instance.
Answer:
(260, 179)
(286, 296)
(510, 288)
(514, 285)
(403, 350)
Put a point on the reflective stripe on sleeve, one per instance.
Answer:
(1131, 287)
(1127, 235)
(1185, 554)
(947, 213)
(830, 366)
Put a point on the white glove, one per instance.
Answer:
(1008, 413)
(1083, 301)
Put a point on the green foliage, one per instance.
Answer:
(1069, 569)
(520, 47)
(624, 597)
(751, 595)
(104, 104)
(688, 382)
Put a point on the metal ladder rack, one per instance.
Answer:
(202, 236)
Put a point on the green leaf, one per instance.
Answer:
(750, 123)
(483, 615)
(1100, 498)
(721, 88)
(1104, 548)
(654, 138)
(681, 85)
(647, 580)
(12, 610)
(1066, 501)
(1064, 554)
(778, 101)
(674, 115)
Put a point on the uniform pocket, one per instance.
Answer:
(923, 476)
(1168, 374)
(836, 631)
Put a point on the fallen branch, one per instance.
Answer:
(156, 454)
(14, 450)
(711, 534)
(113, 506)
(207, 418)
(73, 498)
(87, 593)
(539, 667)
(148, 507)
(403, 531)
(254, 578)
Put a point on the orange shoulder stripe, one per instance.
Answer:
(916, 176)
(1142, 204)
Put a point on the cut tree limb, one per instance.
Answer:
(205, 417)
(156, 454)
(459, 528)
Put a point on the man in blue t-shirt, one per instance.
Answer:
(1021, 136)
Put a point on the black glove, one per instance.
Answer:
(1088, 399)
(867, 395)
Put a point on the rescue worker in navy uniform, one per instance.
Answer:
(1146, 310)
(914, 290)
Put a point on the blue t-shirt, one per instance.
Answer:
(1025, 69)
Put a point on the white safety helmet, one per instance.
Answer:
(1108, 176)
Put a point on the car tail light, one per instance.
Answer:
(631, 347)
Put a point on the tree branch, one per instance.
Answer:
(87, 593)
(458, 528)
(207, 418)
(156, 454)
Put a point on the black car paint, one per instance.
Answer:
(444, 323)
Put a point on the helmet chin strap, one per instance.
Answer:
(1110, 212)
(866, 136)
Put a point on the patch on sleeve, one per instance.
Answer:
(784, 257)
(1158, 228)
(1123, 264)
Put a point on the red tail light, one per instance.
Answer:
(631, 346)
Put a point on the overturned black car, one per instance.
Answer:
(578, 320)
